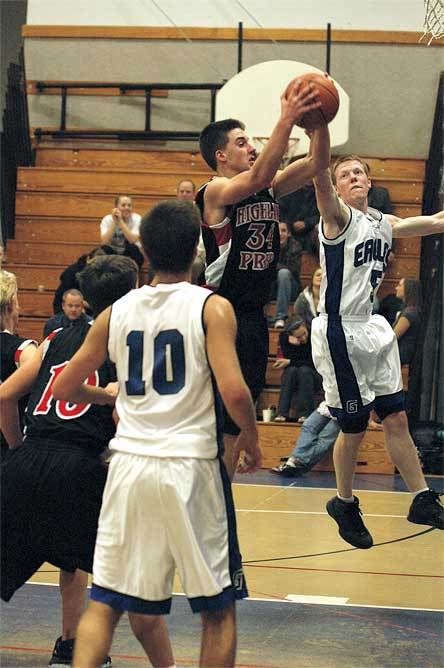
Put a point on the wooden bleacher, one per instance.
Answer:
(60, 203)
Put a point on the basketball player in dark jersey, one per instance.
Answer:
(239, 207)
(52, 484)
(14, 350)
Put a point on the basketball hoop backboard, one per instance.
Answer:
(253, 97)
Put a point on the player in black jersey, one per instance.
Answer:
(239, 206)
(14, 350)
(52, 484)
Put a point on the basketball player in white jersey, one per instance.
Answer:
(356, 352)
(167, 503)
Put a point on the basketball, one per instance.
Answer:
(328, 96)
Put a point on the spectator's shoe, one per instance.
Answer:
(348, 517)
(279, 324)
(290, 470)
(427, 509)
(63, 652)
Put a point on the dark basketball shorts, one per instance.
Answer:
(51, 496)
(252, 350)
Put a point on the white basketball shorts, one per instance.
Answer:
(358, 359)
(159, 514)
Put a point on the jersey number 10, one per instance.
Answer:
(168, 367)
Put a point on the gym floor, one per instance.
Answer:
(314, 600)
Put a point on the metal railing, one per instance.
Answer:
(147, 88)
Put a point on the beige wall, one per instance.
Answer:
(392, 88)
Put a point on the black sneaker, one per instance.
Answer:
(348, 517)
(63, 651)
(427, 509)
(290, 470)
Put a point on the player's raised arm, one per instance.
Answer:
(417, 226)
(220, 324)
(70, 386)
(299, 172)
(249, 175)
(335, 214)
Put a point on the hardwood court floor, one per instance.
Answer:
(315, 600)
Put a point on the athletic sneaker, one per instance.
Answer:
(289, 469)
(427, 509)
(348, 517)
(62, 654)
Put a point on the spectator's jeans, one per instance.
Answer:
(303, 381)
(318, 434)
(287, 291)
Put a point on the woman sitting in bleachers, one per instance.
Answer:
(300, 379)
(408, 320)
(306, 305)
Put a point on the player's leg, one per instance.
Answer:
(152, 633)
(218, 647)
(425, 507)
(345, 455)
(95, 635)
(72, 590)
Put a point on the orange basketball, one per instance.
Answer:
(328, 96)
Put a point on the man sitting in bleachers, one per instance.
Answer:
(73, 312)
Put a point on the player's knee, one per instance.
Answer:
(142, 625)
(396, 421)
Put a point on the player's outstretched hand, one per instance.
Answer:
(248, 452)
(298, 99)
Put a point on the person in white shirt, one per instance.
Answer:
(167, 502)
(120, 229)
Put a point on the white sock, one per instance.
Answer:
(344, 498)
(420, 491)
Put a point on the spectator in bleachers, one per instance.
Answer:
(299, 210)
(306, 305)
(73, 312)
(186, 189)
(379, 198)
(300, 378)
(2, 254)
(408, 320)
(68, 278)
(318, 435)
(120, 229)
(287, 285)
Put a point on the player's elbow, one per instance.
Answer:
(234, 395)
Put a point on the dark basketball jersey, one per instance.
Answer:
(248, 245)
(61, 421)
(11, 347)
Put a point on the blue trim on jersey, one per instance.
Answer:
(217, 602)
(334, 264)
(239, 585)
(127, 603)
(348, 387)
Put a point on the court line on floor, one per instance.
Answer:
(247, 564)
(277, 599)
(308, 512)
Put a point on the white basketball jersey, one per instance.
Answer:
(353, 264)
(166, 403)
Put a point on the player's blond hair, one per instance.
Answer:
(347, 158)
(8, 290)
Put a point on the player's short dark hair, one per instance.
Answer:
(347, 158)
(169, 234)
(107, 278)
(214, 137)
